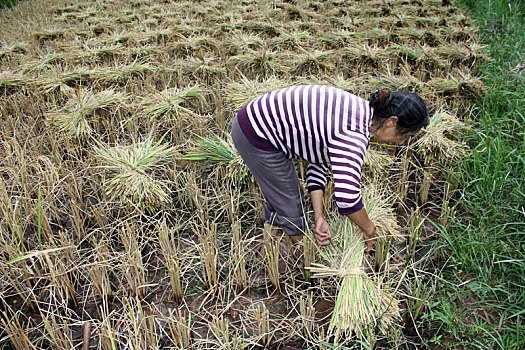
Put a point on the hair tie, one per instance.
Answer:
(383, 94)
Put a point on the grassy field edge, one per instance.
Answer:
(479, 303)
(147, 84)
(7, 3)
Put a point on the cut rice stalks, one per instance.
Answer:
(363, 303)
(217, 151)
(378, 206)
(246, 89)
(172, 103)
(131, 172)
(77, 116)
(436, 142)
(377, 163)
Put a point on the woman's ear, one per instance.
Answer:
(392, 121)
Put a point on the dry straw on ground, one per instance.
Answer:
(364, 302)
(102, 221)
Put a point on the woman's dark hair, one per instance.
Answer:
(409, 108)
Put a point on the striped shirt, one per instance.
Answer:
(326, 126)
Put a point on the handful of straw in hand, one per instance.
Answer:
(362, 304)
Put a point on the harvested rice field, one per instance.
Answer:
(129, 221)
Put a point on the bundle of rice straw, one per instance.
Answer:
(364, 303)
(436, 142)
(218, 151)
(378, 204)
(377, 163)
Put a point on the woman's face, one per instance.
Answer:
(389, 134)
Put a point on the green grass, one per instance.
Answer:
(481, 304)
(7, 3)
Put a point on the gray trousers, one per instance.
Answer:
(277, 177)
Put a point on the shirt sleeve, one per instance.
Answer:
(316, 176)
(346, 167)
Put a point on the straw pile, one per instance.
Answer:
(363, 302)
(438, 140)
(101, 100)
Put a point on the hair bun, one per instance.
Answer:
(409, 108)
(380, 99)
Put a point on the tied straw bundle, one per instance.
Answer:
(218, 151)
(363, 302)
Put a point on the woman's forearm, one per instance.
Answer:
(361, 219)
(321, 229)
(317, 203)
(366, 226)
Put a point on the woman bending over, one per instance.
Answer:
(328, 127)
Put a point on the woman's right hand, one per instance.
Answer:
(322, 231)
(366, 227)
(368, 235)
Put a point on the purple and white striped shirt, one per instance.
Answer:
(323, 125)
